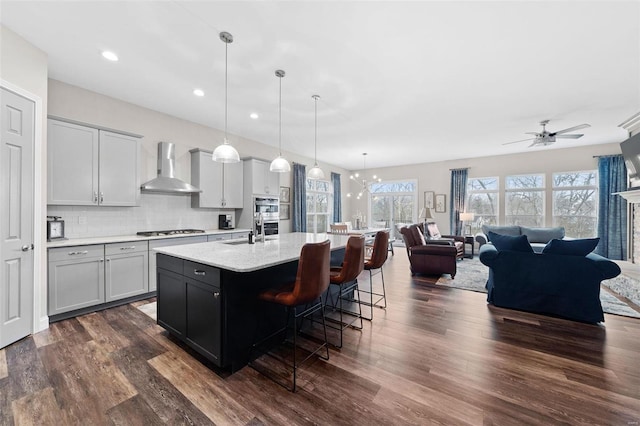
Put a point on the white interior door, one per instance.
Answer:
(16, 217)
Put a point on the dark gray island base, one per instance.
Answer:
(215, 311)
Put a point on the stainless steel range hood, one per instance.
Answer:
(166, 182)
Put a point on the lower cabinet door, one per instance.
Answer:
(172, 296)
(204, 318)
(127, 275)
(75, 284)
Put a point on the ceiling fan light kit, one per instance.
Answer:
(545, 137)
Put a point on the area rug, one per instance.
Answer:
(472, 275)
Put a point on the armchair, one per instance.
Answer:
(432, 259)
(433, 236)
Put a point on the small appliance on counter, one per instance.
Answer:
(225, 221)
(55, 228)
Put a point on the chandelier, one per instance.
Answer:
(363, 181)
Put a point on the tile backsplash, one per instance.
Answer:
(156, 212)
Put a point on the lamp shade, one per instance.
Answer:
(315, 173)
(467, 217)
(425, 213)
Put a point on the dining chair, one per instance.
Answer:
(339, 228)
(312, 280)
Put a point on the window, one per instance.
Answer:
(482, 199)
(524, 200)
(575, 203)
(393, 205)
(319, 205)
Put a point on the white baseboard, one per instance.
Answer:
(43, 324)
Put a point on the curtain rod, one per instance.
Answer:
(460, 168)
(609, 155)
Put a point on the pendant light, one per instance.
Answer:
(225, 153)
(316, 172)
(280, 164)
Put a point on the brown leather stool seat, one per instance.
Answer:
(312, 280)
(375, 262)
(346, 278)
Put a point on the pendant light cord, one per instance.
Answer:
(315, 137)
(226, 66)
(280, 122)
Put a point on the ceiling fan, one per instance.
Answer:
(547, 138)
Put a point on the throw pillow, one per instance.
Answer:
(579, 247)
(433, 233)
(512, 230)
(508, 242)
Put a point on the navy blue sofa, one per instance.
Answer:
(560, 285)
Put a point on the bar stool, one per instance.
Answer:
(346, 278)
(312, 280)
(378, 257)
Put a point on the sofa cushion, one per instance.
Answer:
(502, 230)
(512, 243)
(542, 235)
(578, 247)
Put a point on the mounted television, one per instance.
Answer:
(631, 154)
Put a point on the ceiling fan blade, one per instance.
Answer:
(578, 127)
(522, 140)
(574, 136)
(533, 133)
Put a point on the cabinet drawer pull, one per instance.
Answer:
(101, 260)
(199, 272)
(101, 197)
(128, 248)
(216, 294)
(95, 197)
(75, 253)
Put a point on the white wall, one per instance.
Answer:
(25, 66)
(157, 210)
(437, 176)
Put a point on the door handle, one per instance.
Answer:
(101, 197)
(27, 247)
(95, 197)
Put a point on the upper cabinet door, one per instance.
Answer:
(263, 180)
(72, 153)
(119, 174)
(233, 185)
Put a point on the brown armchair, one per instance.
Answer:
(432, 259)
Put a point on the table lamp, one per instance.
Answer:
(425, 214)
(467, 217)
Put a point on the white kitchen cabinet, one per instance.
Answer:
(76, 278)
(263, 181)
(165, 242)
(89, 166)
(126, 270)
(221, 183)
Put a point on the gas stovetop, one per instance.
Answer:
(169, 232)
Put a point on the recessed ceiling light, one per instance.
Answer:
(109, 55)
(254, 115)
(198, 92)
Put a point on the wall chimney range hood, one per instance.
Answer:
(166, 182)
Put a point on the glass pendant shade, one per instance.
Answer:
(280, 165)
(225, 153)
(315, 172)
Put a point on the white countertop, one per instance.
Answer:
(123, 238)
(246, 257)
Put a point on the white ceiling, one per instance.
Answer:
(407, 82)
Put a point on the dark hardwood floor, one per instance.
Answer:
(435, 356)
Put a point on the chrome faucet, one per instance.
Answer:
(258, 230)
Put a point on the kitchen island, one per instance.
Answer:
(208, 292)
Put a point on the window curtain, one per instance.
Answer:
(337, 198)
(299, 200)
(612, 209)
(458, 198)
